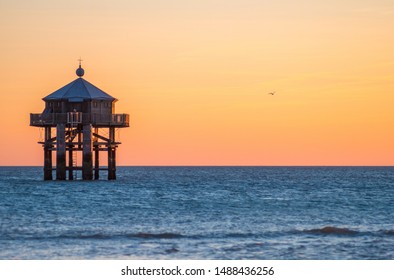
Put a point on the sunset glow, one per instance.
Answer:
(195, 76)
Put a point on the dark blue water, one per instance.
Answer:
(200, 213)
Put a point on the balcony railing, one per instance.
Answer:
(52, 119)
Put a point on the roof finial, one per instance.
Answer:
(80, 72)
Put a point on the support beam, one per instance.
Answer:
(60, 152)
(87, 164)
(70, 163)
(96, 155)
(47, 154)
(79, 138)
(96, 163)
(112, 163)
(95, 134)
(111, 155)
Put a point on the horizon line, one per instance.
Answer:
(221, 166)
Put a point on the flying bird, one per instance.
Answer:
(272, 93)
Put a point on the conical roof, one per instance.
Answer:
(79, 90)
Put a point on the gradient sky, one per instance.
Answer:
(194, 77)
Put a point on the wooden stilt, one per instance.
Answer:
(47, 154)
(113, 177)
(79, 138)
(60, 152)
(96, 163)
(70, 162)
(111, 155)
(96, 156)
(87, 164)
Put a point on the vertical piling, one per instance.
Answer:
(96, 156)
(111, 155)
(87, 164)
(60, 152)
(70, 161)
(96, 163)
(48, 154)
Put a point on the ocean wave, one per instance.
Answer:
(171, 250)
(239, 235)
(327, 230)
(78, 236)
(143, 235)
(166, 235)
(331, 230)
(388, 232)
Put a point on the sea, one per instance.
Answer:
(204, 213)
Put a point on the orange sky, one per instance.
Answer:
(194, 76)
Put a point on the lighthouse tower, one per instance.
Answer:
(79, 119)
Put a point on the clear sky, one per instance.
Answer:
(194, 77)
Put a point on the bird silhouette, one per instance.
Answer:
(272, 93)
